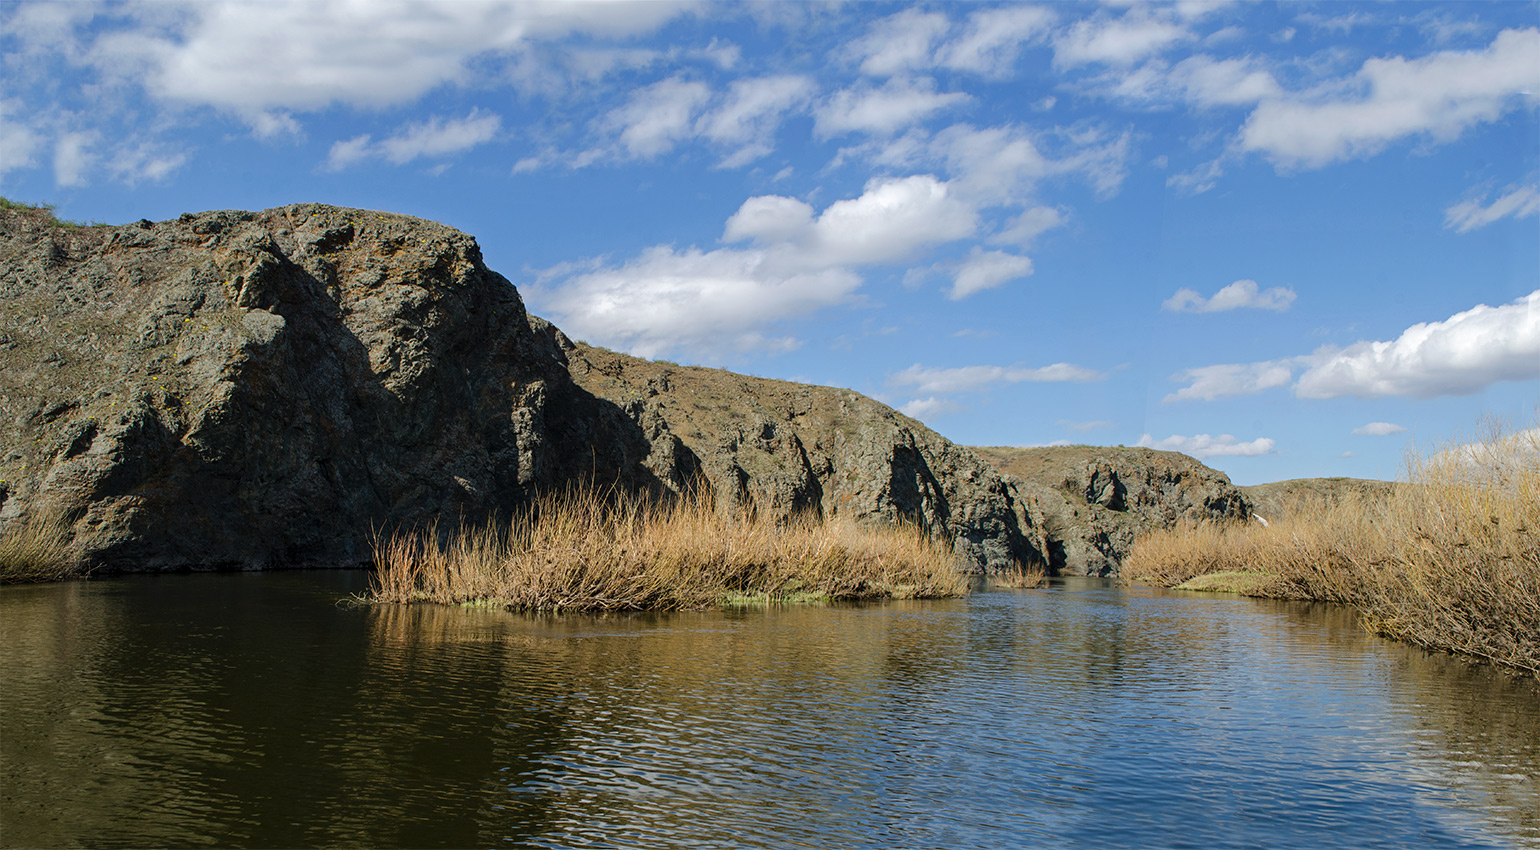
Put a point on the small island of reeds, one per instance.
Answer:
(1448, 560)
(582, 550)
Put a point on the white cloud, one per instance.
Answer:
(1379, 429)
(993, 38)
(347, 152)
(1203, 446)
(1206, 81)
(1117, 41)
(73, 157)
(882, 111)
(1025, 228)
(19, 143)
(1082, 427)
(891, 220)
(752, 112)
(900, 42)
(1002, 165)
(973, 378)
(434, 138)
(256, 58)
(985, 270)
(1460, 355)
(1207, 383)
(667, 298)
(145, 161)
(438, 137)
(1519, 202)
(1200, 80)
(1463, 354)
(922, 407)
(658, 116)
(798, 263)
(1437, 96)
(1238, 295)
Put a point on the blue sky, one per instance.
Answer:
(1290, 239)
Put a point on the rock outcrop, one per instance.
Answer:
(251, 390)
(1284, 499)
(1089, 503)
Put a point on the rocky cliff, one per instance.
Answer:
(1089, 503)
(237, 389)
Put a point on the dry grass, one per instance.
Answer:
(37, 549)
(1450, 561)
(585, 551)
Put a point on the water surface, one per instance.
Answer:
(256, 710)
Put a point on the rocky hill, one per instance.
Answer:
(250, 390)
(1281, 499)
(1089, 503)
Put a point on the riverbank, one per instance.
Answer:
(586, 551)
(1449, 561)
(37, 550)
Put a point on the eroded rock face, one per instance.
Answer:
(1089, 503)
(790, 448)
(249, 390)
(252, 389)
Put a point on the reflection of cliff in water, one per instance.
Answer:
(297, 730)
(255, 710)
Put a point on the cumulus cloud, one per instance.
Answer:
(1117, 41)
(19, 143)
(1463, 354)
(1379, 429)
(1438, 97)
(1242, 294)
(73, 156)
(1518, 202)
(986, 270)
(658, 116)
(1025, 228)
(144, 161)
(1004, 164)
(891, 220)
(1204, 446)
(899, 42)
(712, 300)
(1458, 356)
(257, 58)
(922, 407)
(797, 261)
(992, 39)
(751, 113)
(1207, 383)
(974, 378)
(897, 104)
(434, 138)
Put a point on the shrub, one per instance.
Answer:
(1450, 560)
(586, 551)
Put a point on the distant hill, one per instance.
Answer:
(1090, 503)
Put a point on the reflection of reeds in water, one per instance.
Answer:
(1449, 561)
(587, 551)
(36, 549)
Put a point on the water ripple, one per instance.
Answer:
(253, 711)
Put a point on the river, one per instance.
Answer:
(264, 710)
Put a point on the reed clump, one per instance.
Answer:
(37, 549)
(1449, 561)
(582, 550)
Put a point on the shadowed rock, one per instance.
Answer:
(249, 390)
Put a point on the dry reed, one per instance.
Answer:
(1449, 561)
(585, 551)
(37, 549)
